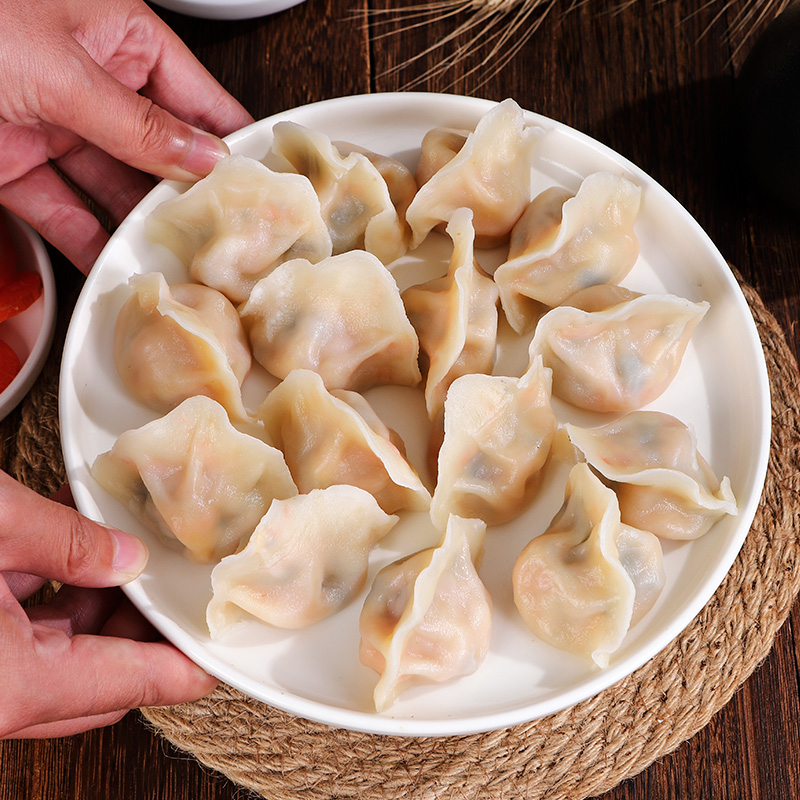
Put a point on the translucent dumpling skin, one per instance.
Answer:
(194, 479)
(172, 343)
(231, 228)
(498, 432)
(355, 199)
(563, 243)
(663, 483)
(619, 358)
(336, 437)
(581, 584)
(342, 318)
(307, 559)
(428, 617)
(455, 316)
(490, 175)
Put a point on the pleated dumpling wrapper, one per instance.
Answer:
(342, 318)
(174, 343)
(581, 584)
(194, 479)
(400, 180)
(455, 317)
(490, 174)
(663, 483)
(498, 432)
(563, 243)
(336, 437)
(231, 228)
(428, 617)
(619, 358)
(307, 558)
(355, 199)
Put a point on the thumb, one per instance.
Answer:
(129, 126)
(45, 538)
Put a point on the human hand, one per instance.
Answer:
(86, 658)
(89, 87)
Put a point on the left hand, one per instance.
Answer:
(88, 87)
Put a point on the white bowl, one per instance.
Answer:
(721, 389)
(227, 9)
(30, 333)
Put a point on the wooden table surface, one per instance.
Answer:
(655, 81)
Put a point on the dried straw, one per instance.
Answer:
(486, 35)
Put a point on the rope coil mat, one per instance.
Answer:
(577, 753)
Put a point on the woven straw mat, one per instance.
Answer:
(577, 753)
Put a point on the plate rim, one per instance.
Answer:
(386, 724)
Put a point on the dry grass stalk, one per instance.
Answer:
(487, 34)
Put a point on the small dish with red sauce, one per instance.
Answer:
(27, 309)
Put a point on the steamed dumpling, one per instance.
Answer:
(439, 147)
(398, 177)
(336, 437)
(491, 174)
(563, 243)
(498, 432)
(662, 482)
(231, 228)
(581, 584)
(354, 197)
(428, 617)
(194, 479)
(620, 358)
(174, 343)
(307, 559)
(455, 316)
(342, 318)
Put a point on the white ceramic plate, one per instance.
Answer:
(30, 333)
(721, 390)
(227, 9)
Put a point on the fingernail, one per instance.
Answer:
(130, 555)
(204, 151)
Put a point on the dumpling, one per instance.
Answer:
(663, 483)
(231, 228)
(399, 179)
(620, 358)
(194, 479)
(354, 197)
(174, 343)
(491, 174)
(588, 578)
(439, 147)
(336, 437)
(307, 559)
(497, 435)
(563, 243)
(428, 617)
(455, 316)
(342, 318)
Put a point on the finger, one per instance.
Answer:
(22, 585)
(45, 538)
(11, 614)
(76, 610)
(128, 125)
(87, 676)
(114, 186)
(68, 727)
(180, 84)
(49, 206)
